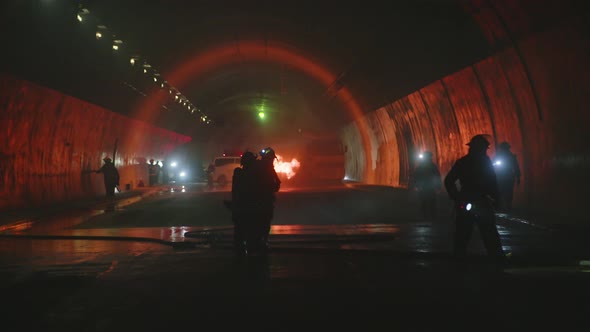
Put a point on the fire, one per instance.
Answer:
(286, 167)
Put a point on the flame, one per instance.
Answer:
(286, 167)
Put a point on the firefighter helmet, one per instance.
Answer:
(268, 153)
(479, 141)
(247, 158)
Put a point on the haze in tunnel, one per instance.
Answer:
(355, 92)
(386, 79)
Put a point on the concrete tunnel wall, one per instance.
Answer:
(532, 93)
(51, 141)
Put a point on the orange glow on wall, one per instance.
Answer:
(52, 142)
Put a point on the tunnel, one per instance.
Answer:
(133, 81)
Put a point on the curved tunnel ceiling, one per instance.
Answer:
(343, 60)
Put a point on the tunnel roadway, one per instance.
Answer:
(347, 255)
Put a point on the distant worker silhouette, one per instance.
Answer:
(152, 172)
(507, 173)
(476, 199)
(243, 204)
(158, 172)
(426, 181)
(210, 173)
(111, 176)
(164, 172)
(268, 185)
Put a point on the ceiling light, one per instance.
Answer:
(116, 44)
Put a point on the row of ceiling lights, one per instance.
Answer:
(135, 60)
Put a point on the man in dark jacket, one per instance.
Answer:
(111, 176)
(476, 199)
(268, 185)
(153, 173)
(243, 203)
(426, 181)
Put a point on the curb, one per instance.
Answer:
(44, 212)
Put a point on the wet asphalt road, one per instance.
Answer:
(348, 257)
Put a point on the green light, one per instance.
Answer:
(261, 109)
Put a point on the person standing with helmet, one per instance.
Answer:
(209, 171)
(111, 176)
(476, 199)
(243, 204)
(152, 172)
(508, 173)
(426, 181)
(268, 185)
(158, 172)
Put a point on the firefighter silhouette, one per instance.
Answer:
(476, 199)
(507, 173)
(152, 172)
(111, 176)
(268, 184)
(426, 181)
(244, 203)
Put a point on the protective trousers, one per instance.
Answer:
(486, 223)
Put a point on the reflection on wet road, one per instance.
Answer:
(335, 218)
(165, 261)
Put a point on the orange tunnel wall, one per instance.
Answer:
(532, 94)
(51, 141)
